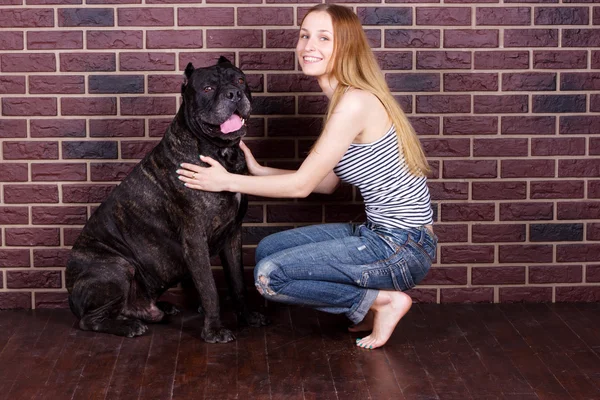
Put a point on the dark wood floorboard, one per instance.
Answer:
(463, 351)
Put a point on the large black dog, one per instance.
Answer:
(152, 231)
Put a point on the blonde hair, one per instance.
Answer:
(354, 65)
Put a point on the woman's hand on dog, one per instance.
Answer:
(211, 179)
(253, 166)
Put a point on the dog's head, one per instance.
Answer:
(216, 100)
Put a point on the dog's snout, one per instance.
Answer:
(233, 95)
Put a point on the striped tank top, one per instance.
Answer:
(393, 197)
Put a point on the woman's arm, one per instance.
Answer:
(346, 122)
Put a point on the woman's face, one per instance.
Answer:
(315, 44)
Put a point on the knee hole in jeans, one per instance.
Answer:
(262, 278)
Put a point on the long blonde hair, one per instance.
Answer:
(354, 65)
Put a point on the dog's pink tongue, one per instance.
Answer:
(232, 124)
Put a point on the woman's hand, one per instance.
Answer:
(211, 179)
(253, 166)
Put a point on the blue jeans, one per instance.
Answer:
(340, 268)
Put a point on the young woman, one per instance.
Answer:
(361, 271)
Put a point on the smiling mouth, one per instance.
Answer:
(311, 60)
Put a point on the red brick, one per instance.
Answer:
(410, 82)
(110, 171)
(282, 38)
(56, 84)
(578, 210)
(467, 295)
(32, 236)
(14, 300)
(202, 59)
(38, 40)
(13, 128)
(469, 38)
(425, 125)
(579, 124)
(29, 106)
(592, 273)
(500, 147)
(580, 37)
(443, 60)
(593, 231)
(526, 211)
(397, 60)
(532, 253)
(470, 82)
(70, 235)
(57, 127)
(527, 294)
(503, 16)
(435, 104)
(450, 233)
(423, 295)
(412, 38)
(204, 16)
(50, 257)
(87, 62)
(52, 300)
(12, 85)
(470, 169)
(594, 103)
(294, 213)
(14, 258)
(451, 254)
(86, 193)
(498, 275)
(148, 106)
(158, 126)
(531, 38)
(14, 215)
(58, 172)
(147, 61)
(174, 39)
(117, 127)
(446, 147)
(493, 233)
(559, 59)
(555, 274)
(558, 146)
(11, 40)
(499, 190)
(36, 2)
(34, 62)
(594, 189)
(595, 58)
(580, 81)
(525, 125)
(530, 81)
(295, 127)
(13, 172)
(26, 17)
(30, 150)
(117, 39)
(556, 190)
(494, 60)
(149, 16)
(306, 105)
(58, 215)
(493, 104)
(449, 190)
(234, 38)
(561, 15)
(89, 106)
(292, 83)
(446, 276)
(267, 61)
(444, 16)
(136, 149)
(579, 168)
(33, 279)
(258, 16)
(467, 212)
(30, 194)
(578, 293)
(527, 168)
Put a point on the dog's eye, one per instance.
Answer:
(241, 81)
(208, 89)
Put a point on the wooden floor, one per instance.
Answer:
(438, 352)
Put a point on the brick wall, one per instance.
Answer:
(505, 96)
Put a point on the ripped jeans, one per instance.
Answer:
(340, 268)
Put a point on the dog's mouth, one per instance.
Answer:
(232, 124)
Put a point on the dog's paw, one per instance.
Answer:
(135, 327)
(254, 319)
(167, 308)
(219, 335)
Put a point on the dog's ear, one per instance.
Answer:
(223, 60)
(188, 73)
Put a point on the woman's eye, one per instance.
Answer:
(208, 89)
(303, 36)
(324, 38)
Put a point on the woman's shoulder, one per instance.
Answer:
(359, 100)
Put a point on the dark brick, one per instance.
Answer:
(527, 294)
(559, 103)
(555, 274)
(273, 105)
(384, 15)
(559, 59)
(503, 16)
(498, 275)
(86, 17)
(578, 294)
(467, 254)
(561, 15)
(493, 233)
(50, 257)
(33, 279)
(446, 276)
(594, 189)
(469, 38)
(294, 213)
(136, 149)
(15, 300)
(531, 38)
(294, 127)
(158, 126)
(580, 37)
(580, 81)
(116, 84)
(526, 125)
(467, 295)
(493, 104)
(592, 273)
(494, 60)
(281, 38)
(254, 234)
(412, 38)
(557, 146)
(53, 300)
(527, 168)
(110, 171)
(586, 125)
(89, 149)
(555, 232)
(556, 189)
(471, 82)
(526, 211)
(312, 104)
(531, 81)
(413, 82)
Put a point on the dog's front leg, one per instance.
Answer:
(197, 257)
(231, 258)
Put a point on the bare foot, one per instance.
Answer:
(388, 309)
(366, 325)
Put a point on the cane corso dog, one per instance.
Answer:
(152, 231)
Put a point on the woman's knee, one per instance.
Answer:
(262, 276)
